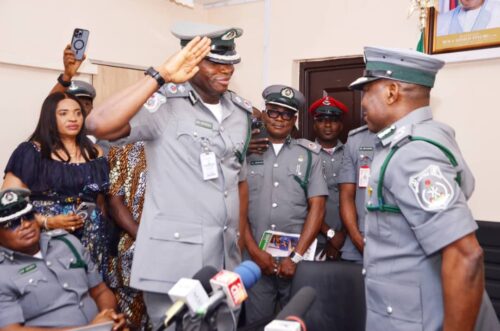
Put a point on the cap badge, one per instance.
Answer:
(9, 197)
(230, 35)
(327, 102)
(287, 93)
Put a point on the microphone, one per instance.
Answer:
(230, 286)
(189, 294)
(290, 318)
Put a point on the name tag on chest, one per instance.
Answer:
(209, 165)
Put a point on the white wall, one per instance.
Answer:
(136, 32)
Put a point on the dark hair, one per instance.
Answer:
(47, 135)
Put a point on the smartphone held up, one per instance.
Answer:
(79, 42)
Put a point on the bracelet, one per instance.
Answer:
(62, 81)
(45, 220)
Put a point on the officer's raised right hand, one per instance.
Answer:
(183, 65)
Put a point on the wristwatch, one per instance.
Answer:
(330, 234)
(295, 257)
(156, 75)
(62, 81)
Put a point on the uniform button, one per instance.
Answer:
(389, 310)
(225, 194)
(252, 172)
(225, 228)
(364, 240)
(274, 205)
(273, 227)
(31, 281)
(177, 235)
(333, 160)
(48, 263)
(195, 134)
(221, 129)
(72, 260)
(363, 271)
(334, 175)
(275, 165)
(65, 285)
(81, 304)
(276, 184)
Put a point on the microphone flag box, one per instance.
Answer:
(278, 325)
(230, 282)
(281, 244)
(189, 291)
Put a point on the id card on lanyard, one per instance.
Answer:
(364, 176)
(209, 165)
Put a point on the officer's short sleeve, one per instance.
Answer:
(347, 173)
(243, 172)
(149, 123)
(11, 311)
(93, 276)
(423, 182)
(317, 184)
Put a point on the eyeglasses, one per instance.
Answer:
(285, 115)
(15, 222)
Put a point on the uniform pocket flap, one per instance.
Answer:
(29, 280)
(394, 300)
(169, 230)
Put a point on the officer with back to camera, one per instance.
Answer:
(423, 265)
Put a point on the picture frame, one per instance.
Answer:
(453, 28)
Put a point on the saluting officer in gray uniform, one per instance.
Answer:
(195, 136)
(422, 263)
(353, 180)
(287, 192)
(47, 280)
(327, 114)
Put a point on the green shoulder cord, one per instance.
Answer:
(79, 263)
(382, 206)
(305, 182)
(241, 155)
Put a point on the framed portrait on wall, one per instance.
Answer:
(459, 25)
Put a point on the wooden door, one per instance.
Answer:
(331, 77)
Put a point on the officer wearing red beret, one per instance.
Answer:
(327, 114)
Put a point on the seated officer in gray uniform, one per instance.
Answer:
(423, 265)
(287, 192)
(327, 115)
(195, 135)
(353, 180)
(47, 279)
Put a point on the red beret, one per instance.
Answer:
(327, 106)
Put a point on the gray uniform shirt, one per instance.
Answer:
(47, 292)
(332, 166)
(402, 254)
(275, 198)
(358, 152)
(188, 222)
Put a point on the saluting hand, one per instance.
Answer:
(183, 65)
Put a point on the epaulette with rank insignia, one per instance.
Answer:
(242, 103)
(309, 145)
(56, 233)
(171, 90)
(402, 135)
(357, 130)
